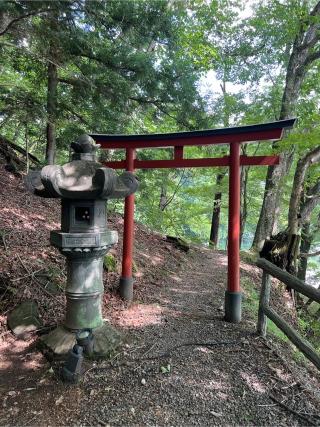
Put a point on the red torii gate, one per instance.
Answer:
(178, 140)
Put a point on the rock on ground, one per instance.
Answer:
(24, 319)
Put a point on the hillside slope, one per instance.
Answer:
(181, 364)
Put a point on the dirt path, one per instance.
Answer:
(182, 365)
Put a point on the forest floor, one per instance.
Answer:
(180, 363)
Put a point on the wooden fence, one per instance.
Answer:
(265, 310)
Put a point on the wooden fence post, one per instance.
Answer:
(264, 301)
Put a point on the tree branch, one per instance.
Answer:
(79, 116)
(185, 124)
(19, 18)
(117, 68)
(312, 202)
(70, 81)
(16, 147)
(312, 34)
(169, 200)
(145, 100)
(307, 255)
(316, 10)
(312, 57)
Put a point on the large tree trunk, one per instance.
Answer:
(306, 242)
(297, 206)
(301, 57)
(271, 201)
(284, 248)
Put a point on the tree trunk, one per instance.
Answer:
(284, 248)
(244, 205)
(163, 198)
(27, 149)
(306, 241)
(215, 222)
(51, 112)
(271, 201)
(52, 94)
(296, 205)
(301, 57)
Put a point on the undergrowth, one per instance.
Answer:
(308, 326)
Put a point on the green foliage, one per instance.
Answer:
(165, 369)
(251, 305)
(110, 263)
(251, 297)
(309, 327)
(274, 330)
(113, 72)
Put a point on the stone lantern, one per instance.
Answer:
(84, 186)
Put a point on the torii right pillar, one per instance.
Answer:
(233, 295)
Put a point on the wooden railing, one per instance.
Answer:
(265, 310)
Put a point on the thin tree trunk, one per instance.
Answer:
(163, 197)
(306, 241)
(27, 149)
(215, 221)
(51, 112)
(52, 86)
(244, 205)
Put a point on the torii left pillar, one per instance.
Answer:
(126, 279)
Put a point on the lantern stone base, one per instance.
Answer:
(105, 340)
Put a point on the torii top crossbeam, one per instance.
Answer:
(234, 137)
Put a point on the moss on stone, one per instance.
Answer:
(110, 263)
